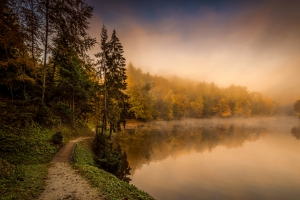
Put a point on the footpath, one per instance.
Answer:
(63, 182)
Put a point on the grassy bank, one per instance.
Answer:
(23, 163)
(109, 185)
(24, 158)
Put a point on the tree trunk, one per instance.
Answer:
(11, 93)
(73, 105)
(111, 127)
(45, 53)
(105, 103)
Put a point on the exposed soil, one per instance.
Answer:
(63, 182)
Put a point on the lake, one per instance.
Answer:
(248, 158)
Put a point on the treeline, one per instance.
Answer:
(156, 97)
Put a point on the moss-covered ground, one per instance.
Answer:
(24, 158)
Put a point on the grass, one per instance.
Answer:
(28, 187)
(25, 154)
(24, 158)
(108, 185)
(69, 133)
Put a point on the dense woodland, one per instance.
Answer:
(156, 97)
(46, 74)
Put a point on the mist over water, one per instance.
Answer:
(215, 158)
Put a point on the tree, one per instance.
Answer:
(139, 91)
(46, 13)
(64, 20)
(14, 59)
(31, 20)
(67, 71)
(112, 77)
(101, 75)
(116, 80)
(140, 101)
(222, 108)
(197, 107)
(297, 107)
(181, 103)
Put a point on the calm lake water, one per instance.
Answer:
(216, 158)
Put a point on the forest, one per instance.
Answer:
(51, 85)
(49, 78)
(156, 97)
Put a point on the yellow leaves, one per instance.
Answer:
(242, 107)
(25, 78)
(177, 98)
(222, 108)
(197, 107)
(140, 102)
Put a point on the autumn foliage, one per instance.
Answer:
(156, 97)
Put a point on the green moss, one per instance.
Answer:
(83, 154)
(24, 155)
(27, 185)
(26, 146)
(110, 186)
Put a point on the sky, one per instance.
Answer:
(250, 43)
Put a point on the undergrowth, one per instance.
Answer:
(24, 157)
(23, 161)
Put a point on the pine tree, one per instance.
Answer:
(115, 79)
(101, 75)
(111, 76)
(14, 62)
(69, 46)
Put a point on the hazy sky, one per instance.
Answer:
(251, 43)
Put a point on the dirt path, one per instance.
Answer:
(63, 182)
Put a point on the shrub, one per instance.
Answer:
(57, 138)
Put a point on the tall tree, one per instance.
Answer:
(115, 77)
(101, 75)
(69, 50)
(111, 76)
(32, 21)
(67, 20)
(46, 13)
(13, 54)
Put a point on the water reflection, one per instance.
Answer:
(160, 140)
(296, 132)
(216, 159)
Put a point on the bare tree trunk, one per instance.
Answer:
(73, 105)
(111, 127)
(11, 93)
(45, 53)
(32, 38)
(105, 103)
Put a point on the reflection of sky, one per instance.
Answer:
(250, 43)
(264, 169)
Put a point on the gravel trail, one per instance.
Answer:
(63, 182)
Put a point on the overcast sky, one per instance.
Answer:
(250, 43)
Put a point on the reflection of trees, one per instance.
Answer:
(160, 140)
(296, 132)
